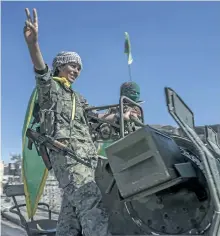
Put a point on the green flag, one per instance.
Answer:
(128, 48)
(34, 172)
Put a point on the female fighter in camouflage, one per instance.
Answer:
(62, 117)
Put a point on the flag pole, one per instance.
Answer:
(129, 71)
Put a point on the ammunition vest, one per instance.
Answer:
(63, 117)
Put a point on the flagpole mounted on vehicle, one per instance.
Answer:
(127, 51)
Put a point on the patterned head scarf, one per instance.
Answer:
(64, 58)
(130, 90)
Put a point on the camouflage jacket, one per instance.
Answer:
(56, 106)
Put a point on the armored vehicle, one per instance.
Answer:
(155, 181)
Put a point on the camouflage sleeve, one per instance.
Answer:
(43, 83)
(83, 101)
(86, 104)
(113, 110)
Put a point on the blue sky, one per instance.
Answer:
(175, 44)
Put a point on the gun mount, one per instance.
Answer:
(155, 182)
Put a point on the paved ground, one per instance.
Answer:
(10, 229)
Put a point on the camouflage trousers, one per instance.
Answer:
(82, 212)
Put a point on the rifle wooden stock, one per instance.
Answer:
(43, 152)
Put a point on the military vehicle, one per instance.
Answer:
(155, 181)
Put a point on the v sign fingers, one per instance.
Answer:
(31, 28)
(28, 15)
(35, 20)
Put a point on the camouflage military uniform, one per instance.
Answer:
(81, 207)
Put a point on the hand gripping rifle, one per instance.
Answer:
(44, 142)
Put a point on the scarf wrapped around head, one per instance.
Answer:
(130, 90)
(63, 58)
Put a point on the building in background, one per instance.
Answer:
(1, 175)
(11, 174)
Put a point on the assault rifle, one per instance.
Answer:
(44, 142)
